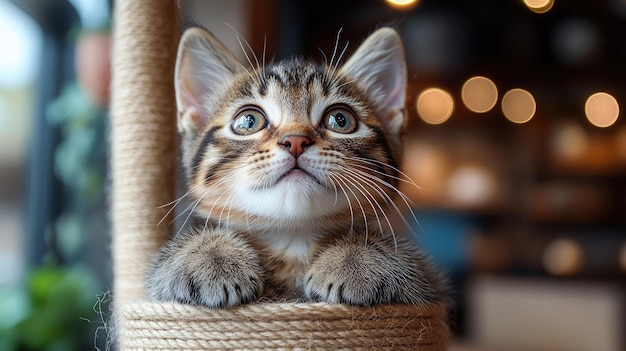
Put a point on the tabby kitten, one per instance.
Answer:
(292, 169)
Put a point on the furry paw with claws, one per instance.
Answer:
(211, 268)
(376, 271)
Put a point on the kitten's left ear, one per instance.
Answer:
(204, 68)
(379, 65)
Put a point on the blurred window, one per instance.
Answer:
(21, 44)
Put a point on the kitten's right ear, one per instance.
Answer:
(203, 69)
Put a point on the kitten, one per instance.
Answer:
(292, 169)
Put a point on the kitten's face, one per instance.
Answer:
(292, 141)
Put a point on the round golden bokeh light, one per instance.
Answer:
(601, 109)
(539, 6)
(569, 141)
(518, 105)
(435, 105)
(563, 257)
(403, 4)
(479, 94)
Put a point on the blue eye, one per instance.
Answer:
(340, 120)
(249, 121)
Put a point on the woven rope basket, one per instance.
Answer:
(143, 144)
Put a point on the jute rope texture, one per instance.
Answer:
(284, 326)
(143, 142)
(143, 127)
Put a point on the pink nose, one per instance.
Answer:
(295, 143)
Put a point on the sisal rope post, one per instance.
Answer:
(143, 140)
(284, 326)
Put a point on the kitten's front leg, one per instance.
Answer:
(376, 270)
(211, 267)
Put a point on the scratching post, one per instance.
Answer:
(143, 142)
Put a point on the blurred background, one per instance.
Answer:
(516, 137)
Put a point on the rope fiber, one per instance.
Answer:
(284, 326)
(143, 142)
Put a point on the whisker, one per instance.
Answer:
(406, 178)
(332, 58)
(230, 206)
(206, 190)
(336, 193)
(340, 56)
(175, 201)
(248, 220)
(365, 166)
(342, 180)
(373, 179)
(363, 192)
(206, 222)
(238, 36)
(333, 180)
(264, 53)
(370, 197)
(186, 208)
(210, 213)
(173, 205)
(346, 83)
(195, 204)
(325, 58)
(261, 73)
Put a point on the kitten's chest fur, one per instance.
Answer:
(284, 275)
(286, 254)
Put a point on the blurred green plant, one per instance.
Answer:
(79, 163)
(53, 311)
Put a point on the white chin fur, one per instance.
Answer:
(292, 198)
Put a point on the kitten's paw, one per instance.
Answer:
(211, 268)
(358, 273)
(351, 274)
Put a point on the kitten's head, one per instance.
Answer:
(291, 141)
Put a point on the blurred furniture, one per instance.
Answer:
(544, 314)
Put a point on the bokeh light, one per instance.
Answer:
(518, 105)
(472, 185)
(563, 257)
(601, 109)
(403, 4)
(479, 94)
(569, 141)
(539, 6)
(435, 105)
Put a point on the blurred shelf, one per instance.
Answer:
(517, 313)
